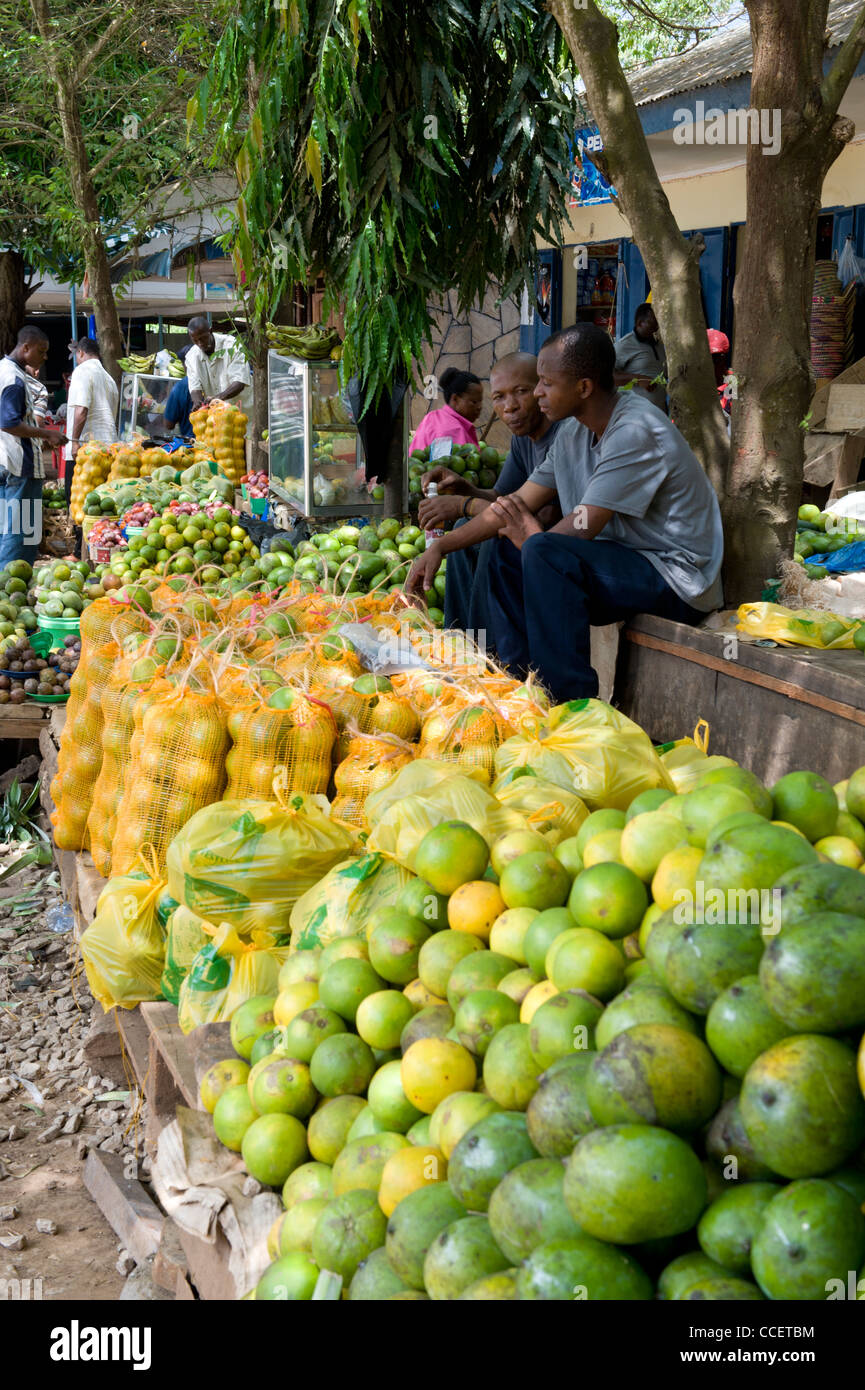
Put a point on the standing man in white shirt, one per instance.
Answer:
(216, 367)
(91, 408)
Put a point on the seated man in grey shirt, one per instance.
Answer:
(640, 358)
(641, 529)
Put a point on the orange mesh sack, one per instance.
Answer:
(469, 737)
(369, 766)
(292, 744)
(80, 757)
(121, 696)
(106, 620)
(177, 765)
(247, 862)
(383, 711)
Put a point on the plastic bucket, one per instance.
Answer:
(58, 628)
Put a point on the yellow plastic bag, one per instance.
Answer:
(341, 903)
(124, 946)
(415, 779)
(185, 934)
(228, 971)
(799, 627)
(553, 811)
(246, 863)
(402, 826)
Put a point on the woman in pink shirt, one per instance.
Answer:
(455, 419)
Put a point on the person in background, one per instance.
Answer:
(21, 467)
(38, 392)
(640, 358)
(216, 367)
(512, 385)
(177, 409)
(641, 530)
(464, 397)
(91, 409)
(719, 347)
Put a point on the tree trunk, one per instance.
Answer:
(772, 297)
(83, 191)
(672, 263)
(13, 298)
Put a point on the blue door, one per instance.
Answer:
(713, 273)
(633, 287)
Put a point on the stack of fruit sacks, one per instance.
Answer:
(576, 988)
(220, 430)
(92, 467)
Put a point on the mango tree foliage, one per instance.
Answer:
(400, 151)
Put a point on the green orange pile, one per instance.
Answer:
(622, 1069)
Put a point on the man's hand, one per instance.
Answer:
(439, 511)
(520, 523)
(422, 573)
(56, 438)
(446, 481)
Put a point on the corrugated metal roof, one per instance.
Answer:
(721, 57)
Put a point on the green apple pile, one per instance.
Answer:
(479, 466)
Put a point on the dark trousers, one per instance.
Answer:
(545, 599)
(20, 517)
(466, 603)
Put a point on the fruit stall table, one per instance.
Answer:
(769, 708)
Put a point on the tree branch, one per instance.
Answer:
(96, 48)
(840, 74)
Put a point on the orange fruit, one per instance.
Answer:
(474, 907)
(433, 1068)
(450, 854)
(407, 1170)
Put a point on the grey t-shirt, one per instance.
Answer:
(642, 470)
(524, 456)
(643, 359)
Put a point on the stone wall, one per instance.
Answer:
(470, 343)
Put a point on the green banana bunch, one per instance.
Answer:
(137, 362)
(313, 342)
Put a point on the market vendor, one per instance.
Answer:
(512, 386)
(464, 396)
(177, 408)
(216, 367)
(641, 531)
(640, 358)
(21, 465)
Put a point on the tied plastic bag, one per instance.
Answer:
(802, 627)
(686, 759)
(553, 811)
(246, 863)
(399, 829)
(342, 902)
(124, 946)
(415, 779)
(228, 971)
(185, 935)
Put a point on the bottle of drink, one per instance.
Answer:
(435, 533)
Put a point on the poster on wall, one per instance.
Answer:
(588, 184)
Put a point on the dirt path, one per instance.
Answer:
(54, 1108)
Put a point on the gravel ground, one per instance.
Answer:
(54, 1107)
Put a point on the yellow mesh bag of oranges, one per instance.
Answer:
(80, 757)
(247, 862)
(341, 903)
(469, 737)
(226, 972)
(124, 947)
(290, 741)
(177, 765)
(370, 764)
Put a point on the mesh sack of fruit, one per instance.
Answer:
(185, 934)
(226, 972)
(468, 736)
(382, 710)
(286, 736)
(399, 829)
(248, 862)
(554, 812)
(124, 946)
(369, 764)
(342, 902)
(107, 619)
(176, 766)
(79, 759)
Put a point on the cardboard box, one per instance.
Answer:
(845, 410)
(854, 375)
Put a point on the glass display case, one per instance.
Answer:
(142, 406)
(316, 457)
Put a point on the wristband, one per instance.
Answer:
(466, 505)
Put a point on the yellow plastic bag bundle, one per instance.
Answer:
(124, 946)
(400, 828)
(687, 759)
(554, 812)
(246, 863)
(416, 779)
(228, 971)
(799, 627)
(341, 903)
(185, 934)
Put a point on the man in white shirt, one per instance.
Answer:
(216, 368)
(91, 408)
